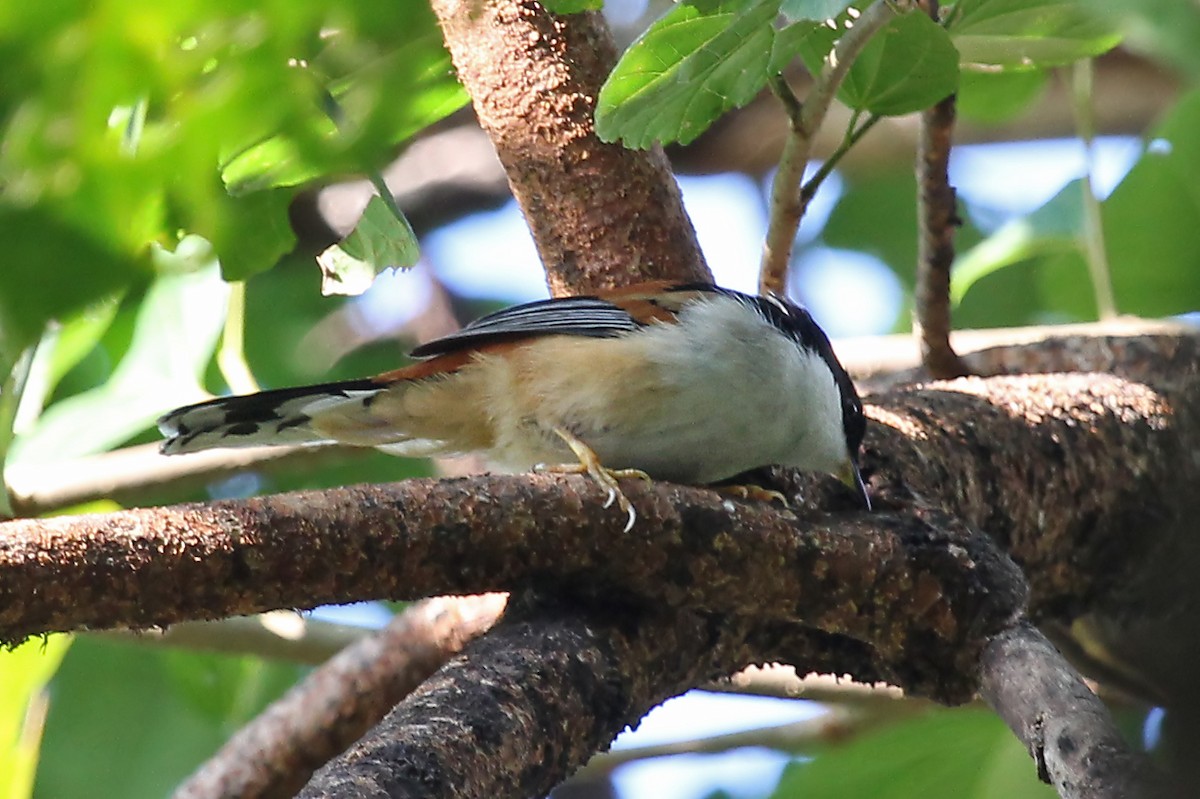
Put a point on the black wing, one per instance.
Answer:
(571, 316)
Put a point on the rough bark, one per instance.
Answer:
(275, 754)
(1067, 729)
(601, 215)
(904, 583)
(937, 220)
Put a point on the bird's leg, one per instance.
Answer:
(589, 464)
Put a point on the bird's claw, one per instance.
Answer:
(589, 464)
(753, 492)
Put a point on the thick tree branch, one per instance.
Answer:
(582, 672)
(274, 755)
(845, 575)
(533, 78)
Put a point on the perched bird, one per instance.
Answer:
(688, 383)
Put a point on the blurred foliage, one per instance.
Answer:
(131, 720)
(122, 125)
(148, 152)
(965, 753)
(24, 672)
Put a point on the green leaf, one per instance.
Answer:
(24, 672)
(1026, 34)
(572, 6)
(119, 705)
(382, 239)
(250, 233)
(699, 60)
(1054, 228)
(814, 10)
(51, 270)
(909, 65)
(1152, 220)
(1165, 31)
(178, 325)
(418, 70)
(955, 754)
(991, 98)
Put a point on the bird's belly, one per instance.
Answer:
(682, 425)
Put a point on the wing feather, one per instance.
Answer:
(571, 316)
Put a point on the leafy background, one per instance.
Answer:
(148, 159)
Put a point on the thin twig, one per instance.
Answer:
(853, 134)
(787, 205)
(937, 219)
(1093, 224)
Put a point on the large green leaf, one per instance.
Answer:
(909, 65)
(815, 10)
(701, 59)
(991, 98)
(1163, 30)
(955, 754)
(1028, 33)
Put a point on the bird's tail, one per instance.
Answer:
(283, 416)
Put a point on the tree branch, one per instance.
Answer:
(404, 541)
(534, 78)
(1066, 727)
(275, 754)
(787, 200)
(937, 218)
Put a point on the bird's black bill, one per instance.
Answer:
(852, 479)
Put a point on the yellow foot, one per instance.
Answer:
(589, 464)
(753, 492)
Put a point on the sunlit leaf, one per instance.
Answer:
(382, 239)
(699, 60)
(24, 672)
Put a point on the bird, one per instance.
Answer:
(681, 382)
